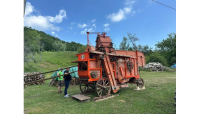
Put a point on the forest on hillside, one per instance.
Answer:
(37, 41)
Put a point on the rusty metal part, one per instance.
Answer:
(130, 65)
(102, 57)
(103, 87)
(49, 71)
(93, 74)
(117, 55)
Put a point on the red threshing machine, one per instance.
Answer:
(104, 69)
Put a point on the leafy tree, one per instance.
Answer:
(133, 39)
(59, 46)
(145, 49)
(167, 47)
(124, 45)
(130, 48)
(156, 57)
(81, 49)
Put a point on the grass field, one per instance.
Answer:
(157, 98)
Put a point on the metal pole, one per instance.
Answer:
(48, 71)
(87, 38)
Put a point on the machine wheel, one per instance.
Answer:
(103, 87)
(140, 82)
(86, 87)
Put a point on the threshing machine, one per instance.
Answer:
(104, 69)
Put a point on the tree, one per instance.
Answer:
(124, 45)
(59, 46)
(167, 47)
(156, 57)
(133, 39)
(81, 49)
(145, 49)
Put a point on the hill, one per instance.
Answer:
(50, 61)
(38, 40)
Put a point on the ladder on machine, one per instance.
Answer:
(109, 73)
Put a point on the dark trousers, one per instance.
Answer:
(66, 86)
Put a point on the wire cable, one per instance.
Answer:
(163, 4)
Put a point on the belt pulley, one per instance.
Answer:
(130, 65)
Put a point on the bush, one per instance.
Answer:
(81, 49)
(156, 57)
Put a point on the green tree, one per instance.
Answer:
(156, 57)
(81, 49)
(59, 46)
(167, 47)
(145, 49)
(124, 45)
(133, 39)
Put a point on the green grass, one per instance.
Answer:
(51, 61)
(157, 98)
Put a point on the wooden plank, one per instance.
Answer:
(81, 97)
(96, 99)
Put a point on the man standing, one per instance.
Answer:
(60, 80)
(67, 78)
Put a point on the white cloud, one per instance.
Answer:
(87, 30)
(106, 29)
(54, 34)
(122, 13)
(129, 2)
(116, 17)
(40, 22)
(127, 10)
(93, 20)
(91, 30)
(82, 25)
(94, 25)
(58, 18)
(84, 31)
(70, 28)
(72, 23)
(29, 8)
(106, 25)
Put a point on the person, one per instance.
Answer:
(67, 79)
(60, 79)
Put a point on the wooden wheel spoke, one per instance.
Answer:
(107, 83)
(100, 92)
(104, 82)
(100, 85)
(106, 92)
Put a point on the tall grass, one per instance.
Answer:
(50, 61)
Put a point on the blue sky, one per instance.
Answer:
(69, 20)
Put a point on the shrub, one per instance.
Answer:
(156, 57)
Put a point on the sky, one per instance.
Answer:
(69, 20)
